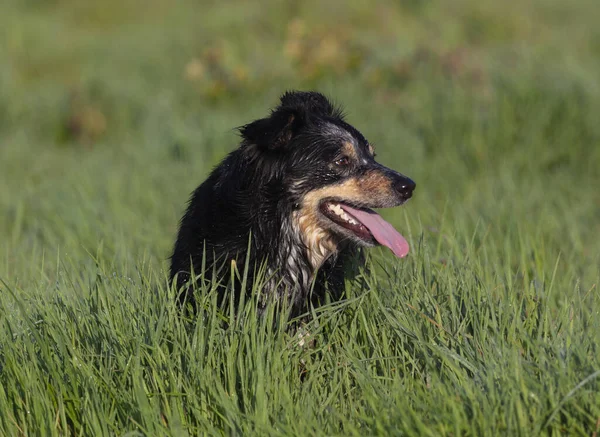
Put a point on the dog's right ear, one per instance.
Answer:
(295, 110)
(274, 132)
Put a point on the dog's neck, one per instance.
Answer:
(319, 245)
(310, 246)
(302, 249)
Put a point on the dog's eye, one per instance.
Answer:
(343, 161)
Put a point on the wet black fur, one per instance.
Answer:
(251, 195)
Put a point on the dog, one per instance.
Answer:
(296, 197)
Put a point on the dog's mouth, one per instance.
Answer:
(366, 225)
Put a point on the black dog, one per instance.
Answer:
(295, 197)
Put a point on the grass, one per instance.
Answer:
(112, 112)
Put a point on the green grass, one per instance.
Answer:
(112, 112)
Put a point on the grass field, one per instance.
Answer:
(111, 112)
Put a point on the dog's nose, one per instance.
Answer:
(405, 187)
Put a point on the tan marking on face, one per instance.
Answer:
(377, 186)
(374, 187)
(350, 151)
(371, 149)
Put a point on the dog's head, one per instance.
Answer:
(327, 169)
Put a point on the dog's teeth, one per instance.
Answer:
(336, 209)
(339, 211)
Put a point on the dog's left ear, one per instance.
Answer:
(274, 132)
(296, 110)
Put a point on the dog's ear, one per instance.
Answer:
(275, 131)
(310, 103)
(295, 110)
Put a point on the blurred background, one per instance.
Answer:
(112, 112)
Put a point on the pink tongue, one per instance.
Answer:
(383, 232)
